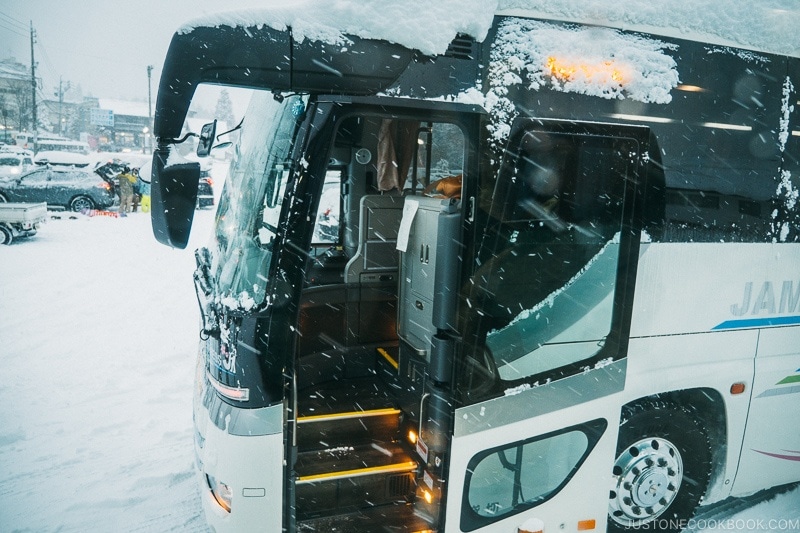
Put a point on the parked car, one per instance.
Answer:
(14, 164)
(62, 159)
(205, 192)
(71, 188)
(20, 220)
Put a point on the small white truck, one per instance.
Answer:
(20, 220)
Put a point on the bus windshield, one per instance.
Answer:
(250, 205)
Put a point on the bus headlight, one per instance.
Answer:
(221, 492)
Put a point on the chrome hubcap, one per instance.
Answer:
(647, 477)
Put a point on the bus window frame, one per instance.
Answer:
(470, 519)
(473, 387)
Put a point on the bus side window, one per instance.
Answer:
(549, 257)
(521, 475)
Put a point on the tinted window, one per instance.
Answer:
(523, 474)
(544, 292)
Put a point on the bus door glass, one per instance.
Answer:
(547, 314)
(548, 271)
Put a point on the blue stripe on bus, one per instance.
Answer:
(759, 322)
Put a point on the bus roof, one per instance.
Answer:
(347, 47)
(761, 25)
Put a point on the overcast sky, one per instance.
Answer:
(103, 46)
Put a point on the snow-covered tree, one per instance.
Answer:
(224, 109)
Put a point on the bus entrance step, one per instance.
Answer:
(346, 413)
(394, 518)
(352, 478)
(357, 427)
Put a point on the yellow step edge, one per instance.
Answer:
(332, 476)
(389, 358)
(348, 415)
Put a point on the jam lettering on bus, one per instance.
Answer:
(767, 299)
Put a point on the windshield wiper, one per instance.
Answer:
(204, 292)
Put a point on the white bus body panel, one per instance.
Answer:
(771, 449)
(700, 287)
(515, 417)
(251, 465)
(702, 312)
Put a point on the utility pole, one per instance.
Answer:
(149, 110)
(60, 94)
(149, 95)
(33, 93)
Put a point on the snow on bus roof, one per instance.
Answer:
(764, 25)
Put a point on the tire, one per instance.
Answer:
(662, 468)
(79, 203)
(5, 235)
(3, 198)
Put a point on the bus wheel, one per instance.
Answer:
(662, 468)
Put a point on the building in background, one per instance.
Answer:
(15, 98)
(115, 125)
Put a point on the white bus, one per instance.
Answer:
(559, 290)
(47, 142)
(62, 145)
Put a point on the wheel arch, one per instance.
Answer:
(709, 405)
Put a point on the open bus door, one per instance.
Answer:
(377, 320)
(545, 313)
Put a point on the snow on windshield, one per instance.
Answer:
(766, 25)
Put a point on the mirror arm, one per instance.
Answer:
(237, 127)
(176, 141)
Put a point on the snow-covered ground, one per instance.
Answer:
(98, 333)
(98, 338)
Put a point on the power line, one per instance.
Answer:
(13, 29)
(11, 20)
(47, 61)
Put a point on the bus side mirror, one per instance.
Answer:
(206, 141)
(173, 199)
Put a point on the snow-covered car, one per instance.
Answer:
(72, 188)
(62, 159)
(13, 164)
